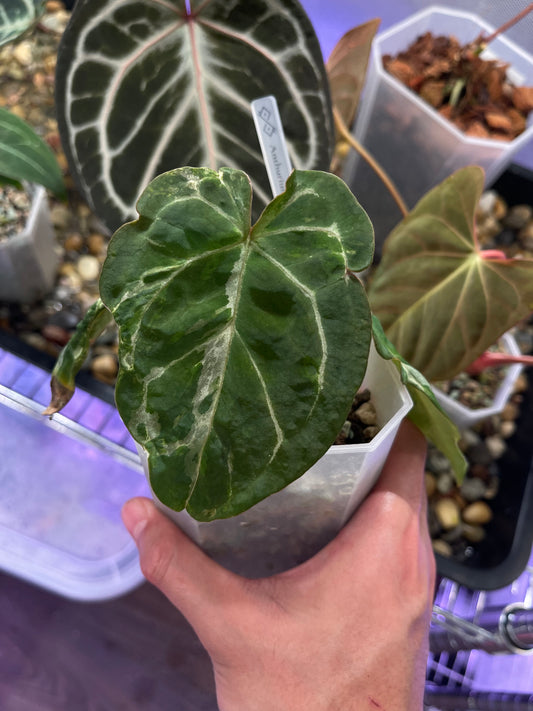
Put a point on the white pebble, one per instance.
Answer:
(105, 365)
(366, 413)
(23, 53)
(447, 513)
(88, 267)
(496, 446)
(487, 202)
(477, 513)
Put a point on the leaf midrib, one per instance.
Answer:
(246, 247)
(430, 294)
(201, 96)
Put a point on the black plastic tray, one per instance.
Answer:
(504, 554)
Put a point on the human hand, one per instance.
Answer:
(346, 630)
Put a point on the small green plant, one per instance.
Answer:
(24, 156)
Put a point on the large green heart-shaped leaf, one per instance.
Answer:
(440, 300)
(17, 16)
(25, 156)
(145, 86)
(240, 349)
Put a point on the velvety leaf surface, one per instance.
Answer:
(145, 86)
(440, 301)
(426, 412)
(240, 349)
(17, 16)
(25, 156)
(346, 68)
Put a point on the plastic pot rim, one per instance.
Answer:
(410, 95)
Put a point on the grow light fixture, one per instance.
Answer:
(474, 679)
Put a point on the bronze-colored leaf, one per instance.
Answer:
(441, 300)
(346, 68)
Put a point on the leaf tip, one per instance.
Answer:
(61, 395)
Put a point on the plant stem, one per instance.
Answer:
(491, 360)
(74, 353)
(354, 143)
(492, 254)
(506, 25)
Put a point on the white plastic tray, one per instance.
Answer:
(63, 485)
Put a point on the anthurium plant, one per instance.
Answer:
(144, 86)
(241, 346)
(442, 300)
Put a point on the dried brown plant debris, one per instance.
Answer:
(476, 94)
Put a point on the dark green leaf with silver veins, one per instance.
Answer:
(145, 86)
(240, 348)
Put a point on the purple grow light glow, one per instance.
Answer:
(63, 484)
(476, 679)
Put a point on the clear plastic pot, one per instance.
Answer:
(28, 261)
(290, 526)
(416, 146)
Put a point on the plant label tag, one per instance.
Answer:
(272, 141)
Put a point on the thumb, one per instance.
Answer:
(192, 582)
(403, 473)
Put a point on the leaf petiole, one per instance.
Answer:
(73, 355)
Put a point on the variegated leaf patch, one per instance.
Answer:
(240, 348)
(17, 16)
(146, 86)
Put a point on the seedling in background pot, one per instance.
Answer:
(24, 156)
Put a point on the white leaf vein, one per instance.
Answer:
(279, 432)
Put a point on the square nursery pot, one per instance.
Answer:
(466, 417)
(292, 525)
(28, 260)
(416, 146)
(504, 553)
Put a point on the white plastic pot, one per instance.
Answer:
(416, 146)
(290, 526)
(28, 261)
(465, 417)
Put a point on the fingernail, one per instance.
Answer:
(135, 517)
